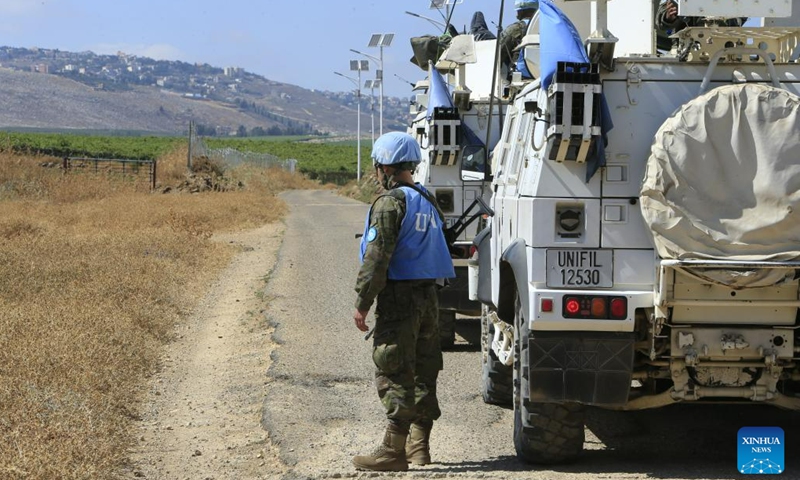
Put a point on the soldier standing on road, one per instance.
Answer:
(403, 253)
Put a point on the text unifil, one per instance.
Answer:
(578, 258)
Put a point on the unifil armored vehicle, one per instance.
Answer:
(457, 123)
(644, 247)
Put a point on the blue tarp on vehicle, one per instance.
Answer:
(560, 41)
(438, 92)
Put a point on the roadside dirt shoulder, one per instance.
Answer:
(202, 417)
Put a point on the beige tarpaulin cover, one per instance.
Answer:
(723, 181)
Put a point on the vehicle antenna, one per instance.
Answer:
(492, 92)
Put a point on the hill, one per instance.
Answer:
(56, 90)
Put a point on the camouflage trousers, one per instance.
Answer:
(407, 352)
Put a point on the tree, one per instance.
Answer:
(205, 131)
(241, 131)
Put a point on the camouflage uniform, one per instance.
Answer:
(509, 40)
(406, 348)
(665, 28)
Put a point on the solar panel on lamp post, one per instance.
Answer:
(357, 83)
(381, 40)
(378, 74)
(447, 5)
(359, 66)
(372, 85)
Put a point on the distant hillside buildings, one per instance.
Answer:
(231, 85)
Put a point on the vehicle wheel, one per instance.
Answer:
(497, 386)
(544, 433)
(447, 328)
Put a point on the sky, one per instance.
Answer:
(301, 42)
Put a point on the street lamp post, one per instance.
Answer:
(379, 78)
(358, 66)
(372, 84)
(430, 20)
(380, 40)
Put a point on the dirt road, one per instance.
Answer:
(271, 379)
(202, 420)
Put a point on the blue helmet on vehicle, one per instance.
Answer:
(394, 148)
(526, 4)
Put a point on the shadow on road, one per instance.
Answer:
(468, 335)
(685, 441)
(689, 441)
(677, 442)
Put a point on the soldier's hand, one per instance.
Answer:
(672, 11)
(361, 319)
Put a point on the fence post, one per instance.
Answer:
(154, 167)
(191, 139)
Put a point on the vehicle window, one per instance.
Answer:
(511, 124)
(473, 163)
(523, 128)
(519, 144)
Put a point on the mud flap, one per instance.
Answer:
(483, 243)
(591, 368)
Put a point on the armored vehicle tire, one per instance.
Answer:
(497, 385)
(544, 433)
(447, 328)
(555, 434)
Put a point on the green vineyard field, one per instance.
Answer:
(328, 161)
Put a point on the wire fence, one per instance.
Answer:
(138, 171)
(233, 158)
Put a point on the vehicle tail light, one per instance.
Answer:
(547, 305)
(619, 308)
(594, 307)
(599, 307)
(572, 306)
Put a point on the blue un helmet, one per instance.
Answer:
(526, 4)
(396, 148)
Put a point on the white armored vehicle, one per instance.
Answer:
(661, 265)
(456, 130)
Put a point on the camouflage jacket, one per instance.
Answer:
(679, 23)
(510, 39)
(388, 212)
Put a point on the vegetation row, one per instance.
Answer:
(328, 161)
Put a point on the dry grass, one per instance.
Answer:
(364, 191)
(94, 276)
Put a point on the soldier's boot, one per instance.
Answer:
(418, 450)
(390, 456)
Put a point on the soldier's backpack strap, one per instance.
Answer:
(427, 196)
